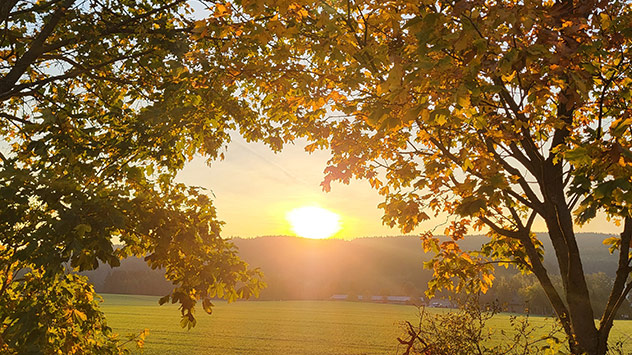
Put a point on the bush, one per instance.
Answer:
(466, 331)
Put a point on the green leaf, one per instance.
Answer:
(470, 206)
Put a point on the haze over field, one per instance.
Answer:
(307, 269)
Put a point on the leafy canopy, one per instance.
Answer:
(101, 103)
(495, 113)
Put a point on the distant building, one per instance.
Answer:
(398, 299)
(378, 299)
(339, 297)
(440, 303)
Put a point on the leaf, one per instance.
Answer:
(470, 206)
(164, 299)
(207, 305)
(79, 316)
(82, 229)
(467, 165)
(613, 242)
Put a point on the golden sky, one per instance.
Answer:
(255, 188)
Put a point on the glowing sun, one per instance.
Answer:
(313, 222)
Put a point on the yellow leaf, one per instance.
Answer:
(221, 10)
(467, 165)
(509, 77)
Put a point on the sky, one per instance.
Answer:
(253, 190)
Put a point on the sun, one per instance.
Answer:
(313, 222)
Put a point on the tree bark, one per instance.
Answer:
(560, 225)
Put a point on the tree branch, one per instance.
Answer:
(623, 270)
(537, 268)
(35, 49)
(5, 9)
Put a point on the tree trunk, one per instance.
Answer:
(559, 222)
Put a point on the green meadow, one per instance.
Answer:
(280, 327)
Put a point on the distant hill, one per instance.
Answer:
(297, 268)
(595, 255)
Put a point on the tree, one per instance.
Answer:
(48, 314)
(497, 114)
(101, 103)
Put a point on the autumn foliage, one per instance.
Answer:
(100, 106)
(498, 115)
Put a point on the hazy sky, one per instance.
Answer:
(254, 189)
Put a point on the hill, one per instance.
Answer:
(298, 268)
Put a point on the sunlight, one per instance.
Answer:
(313, 222)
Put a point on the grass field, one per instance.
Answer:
(271, 327)
(258, 327)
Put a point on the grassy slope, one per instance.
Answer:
(278, 327)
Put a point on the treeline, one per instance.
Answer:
(522, 293)
(132, 277)
(297, 269)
